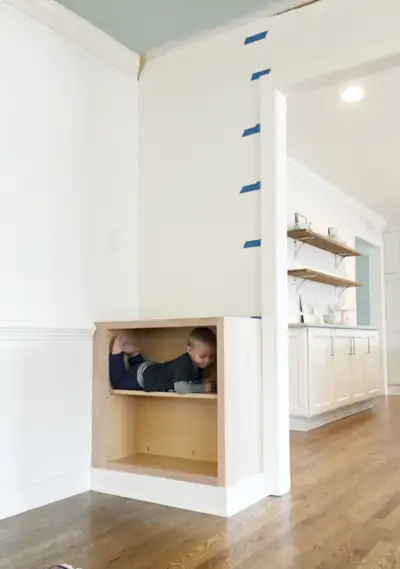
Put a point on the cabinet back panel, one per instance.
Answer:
(122, 430)
(161, 344)
(177, 428)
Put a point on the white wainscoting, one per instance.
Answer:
(45, 415)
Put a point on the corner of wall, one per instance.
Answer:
(68, 24)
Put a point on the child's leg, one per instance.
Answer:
(122, 376)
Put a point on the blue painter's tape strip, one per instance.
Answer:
(255, 37)
(251, 188)
(257, 74)
(253, 243)
(252, 130)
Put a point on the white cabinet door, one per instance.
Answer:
(321, 355)
(357, 367)
(341, 385)
(298, 372)
(372, 369)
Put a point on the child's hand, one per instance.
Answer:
(208, 386)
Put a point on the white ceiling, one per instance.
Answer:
(355, 147)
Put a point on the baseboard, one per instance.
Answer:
(166, 492)
(212, 500)
(43, 492)
(245, 494)
(305, 424)
(393, 389)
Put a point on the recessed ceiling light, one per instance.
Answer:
(353, 94)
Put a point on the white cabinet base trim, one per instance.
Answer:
(211, 500)
(393, 390)
(305, 424)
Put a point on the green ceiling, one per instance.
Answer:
(142, 25)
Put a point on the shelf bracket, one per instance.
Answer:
(340, 290)
(302, 281)
(339, 259)
(297, 246)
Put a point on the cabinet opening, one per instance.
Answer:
(159, 344)
(168, 437)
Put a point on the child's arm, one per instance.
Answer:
(186, 387)
(210, 379)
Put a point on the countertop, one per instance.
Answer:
(340, 326)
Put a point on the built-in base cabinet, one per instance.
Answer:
(332, 368)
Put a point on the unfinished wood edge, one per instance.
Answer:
(164, 394)
(293, 8)
(142, 63)
(100, 410)
(167, 323)
(221, 404)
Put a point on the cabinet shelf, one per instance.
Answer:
(167, 394)
(309, 237)
(322, 278)
(197, 471)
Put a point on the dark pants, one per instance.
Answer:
(122, 378)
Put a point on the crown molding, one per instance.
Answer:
(11, 333)
(80, 32)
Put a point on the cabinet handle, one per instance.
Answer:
(354, 346)
(351, 346)
(369, 345)
(332, 346)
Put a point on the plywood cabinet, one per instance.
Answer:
(212, 439)
(343, 369)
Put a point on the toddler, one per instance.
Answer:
(185, 374)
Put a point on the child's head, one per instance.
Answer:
(202, 347)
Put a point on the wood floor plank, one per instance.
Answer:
(343, 513)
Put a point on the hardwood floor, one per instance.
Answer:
(343, 512)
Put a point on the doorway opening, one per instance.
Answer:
(368, 274)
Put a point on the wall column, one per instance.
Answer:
(274, 289)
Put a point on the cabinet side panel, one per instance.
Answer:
(100, 409)
(243, 399)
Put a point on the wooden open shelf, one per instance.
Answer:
(202, 438)
(168, 394)
(322, 242)
(202, 472)
(323, 278)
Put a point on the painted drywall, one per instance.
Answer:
(326, 206)
(193, 219)
(392, 288)
(68, 181)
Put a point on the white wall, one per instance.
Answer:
(195, 103)
(68, 242)
(326, 206)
